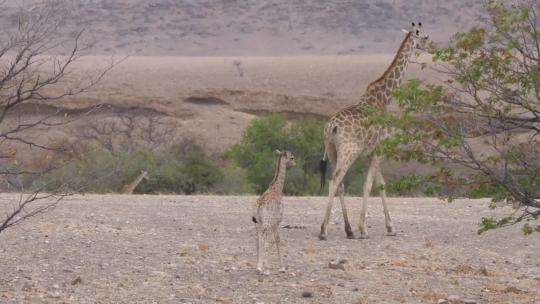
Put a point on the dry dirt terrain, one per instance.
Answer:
(212, 99)
(200, 249)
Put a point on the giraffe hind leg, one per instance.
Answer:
(331, 157)
(332, 189)
(342, 166)
(324, 226)
(379, 180)
(260, 252)
(348, 230)
(277, 240)
(368, 183)
(263, 246)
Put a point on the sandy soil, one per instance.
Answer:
(165, 78)
(200, 249)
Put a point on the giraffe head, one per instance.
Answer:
(419, 37)
(288, 157)
(144, 175)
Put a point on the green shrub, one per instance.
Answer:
(98, 171)
(234, 181)
(92, 171)
(200, 172)
(303, 137)
(256, 152)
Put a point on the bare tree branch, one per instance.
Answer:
(128, 129)
(31, 74)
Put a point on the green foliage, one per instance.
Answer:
(256, 152)
(303, 137)
(234, 181)
(527, 229)
(487, 223)
(406, 184)
(412, 98)
(99, 171)
(488, 189)
(490, 223)
(354, 180)
(200, 172)
(185, 168)
(95, 170)
(298, 182)
(477, 120)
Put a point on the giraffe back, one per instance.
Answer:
(350, 127)
(268, 211)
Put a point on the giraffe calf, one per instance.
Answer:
(268, 212)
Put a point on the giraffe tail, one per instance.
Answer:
(322, 169)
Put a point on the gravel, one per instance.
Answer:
(201, 249)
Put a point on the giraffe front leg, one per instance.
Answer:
(362, 226)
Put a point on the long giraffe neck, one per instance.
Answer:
(380, 91)
(129, 188)
(279, 177)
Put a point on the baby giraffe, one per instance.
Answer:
(267, 213)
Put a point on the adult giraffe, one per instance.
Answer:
(348, 135)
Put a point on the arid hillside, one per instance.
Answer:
(247, 28)
(213, 98)
(201, 70)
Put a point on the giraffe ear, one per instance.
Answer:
(405, 31)
(278, 152)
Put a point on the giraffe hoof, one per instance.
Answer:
(363, 237)
(391, 233)
(261, 272)
(322, 237)
(350, 236)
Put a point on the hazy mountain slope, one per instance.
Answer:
(255, 27)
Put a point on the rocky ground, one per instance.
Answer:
(200, 249)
